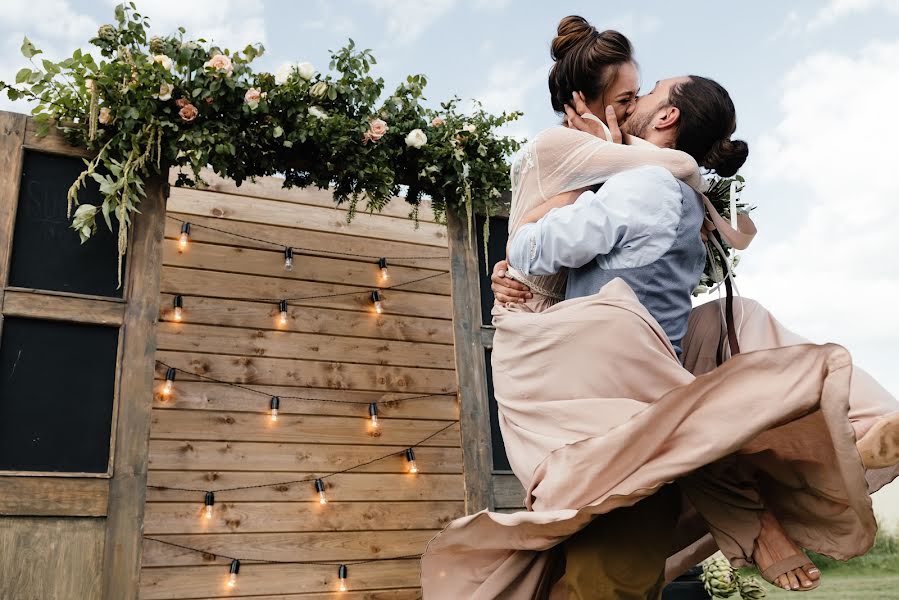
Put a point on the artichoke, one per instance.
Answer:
(751, 588)
(718, 577)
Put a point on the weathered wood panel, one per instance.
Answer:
(51, 557)
(56, 307)
(507, 491)
(46, 496)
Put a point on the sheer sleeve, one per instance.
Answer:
(569, 160)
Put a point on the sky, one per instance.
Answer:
(814, 82)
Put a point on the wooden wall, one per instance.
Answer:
(211, 436)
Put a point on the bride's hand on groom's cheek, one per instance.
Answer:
(506, 289)
(575, 115)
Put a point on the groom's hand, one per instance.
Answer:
(505, 289)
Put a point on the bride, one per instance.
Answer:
(599, 415)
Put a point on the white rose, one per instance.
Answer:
(416, 138)
(704, 185)
(469, 127)
(163, 60)
(165, 92)
(316, 111)
(319, 90)
(220, 62)
(105, 116)
(284, 72)
(306, 70)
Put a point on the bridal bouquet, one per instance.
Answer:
(723, 193)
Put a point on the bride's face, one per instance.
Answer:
(621, 94)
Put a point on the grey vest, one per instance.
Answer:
(664, 286)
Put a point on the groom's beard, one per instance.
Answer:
(637, 125)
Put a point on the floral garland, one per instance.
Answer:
(156, 103)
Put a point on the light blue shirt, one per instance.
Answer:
(630, 222)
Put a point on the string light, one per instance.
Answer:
(288, 258)
(382, 263)
(373, 413)
(320, 488)
(169, 382)
(209, 501)
(410, 457)
(185, 237)
(276, 404)
(235, 569)
(179, 308)
(282, 307)
(376, 300)
(342, 575)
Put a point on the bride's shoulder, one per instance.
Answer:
(560, 132)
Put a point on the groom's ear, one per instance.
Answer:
(667, 118)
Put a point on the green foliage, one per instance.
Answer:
(148, 105)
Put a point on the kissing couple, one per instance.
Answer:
(648, 434)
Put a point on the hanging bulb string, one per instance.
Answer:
(246, 388)
(308, 251)
(307, 479)
(265, 561)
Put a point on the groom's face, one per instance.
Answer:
(650, 107)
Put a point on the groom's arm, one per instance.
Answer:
(628, 212)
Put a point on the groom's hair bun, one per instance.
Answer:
(726, 156)
(586, 60)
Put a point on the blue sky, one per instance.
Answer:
(814, 84)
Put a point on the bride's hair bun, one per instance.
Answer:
(573, 31)
(586, 60)
(726, 157)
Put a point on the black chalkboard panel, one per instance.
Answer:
(500, 459)
(496, 251)
(57, 382)
(47, 254)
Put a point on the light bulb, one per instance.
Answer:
(232, 576)
(288, 259)
(373, 413)
(209, 501)
(179, 308)
(342, 575)
(169, 386)
(410, 457)
(382, 264)
(282, 307)
(185, 237)
(320, 488)
(376, 300)
(276, 403)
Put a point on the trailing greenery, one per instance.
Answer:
(151, 104)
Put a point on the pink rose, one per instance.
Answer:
(376, 130)
(188, 112)
(252, 97)
(220, 62)
(437, 122)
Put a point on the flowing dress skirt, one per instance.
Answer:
(597, 413)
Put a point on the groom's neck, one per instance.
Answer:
(663, 139)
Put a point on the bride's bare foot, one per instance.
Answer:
(780, 561)
(880, 446)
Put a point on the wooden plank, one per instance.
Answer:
(309, 319)
(307, 373)
(201, 461)
(12, 135)
(53, 307)
(44, 558)
(267, 291)
(301, 429)
(273, 188)
(53, 143)
(207, 339)
(46, 496)
(270, 263)
(306, 241)
(198, 395)
(259, 210)
(167, 583)
(128, 487)
(471, 368)
(487, 333)
(334, 546)
(508, 491)
(389, 594)
(254, 525)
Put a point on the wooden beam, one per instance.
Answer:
(12, 134)
(53, 496)
(55, 307)
(474, 412)
(128, 487)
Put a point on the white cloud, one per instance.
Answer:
(632, 24)
(838, 9)
(227, 23)
(833, 276)
(508, 87)
(491, 5)
(406, 20)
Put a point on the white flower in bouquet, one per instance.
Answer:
(163, 60)
(220, 62)
(105, 116)
(84, 221)
(319, 90)
(704, 185)
(306, 70)
(165, 92)
(416, 138)
(317, 111)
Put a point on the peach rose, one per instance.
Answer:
(188, 112)
(220, 62)
(182, 102)
(376, 130)
(252, 97)
(105, 116)
(437, 122)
